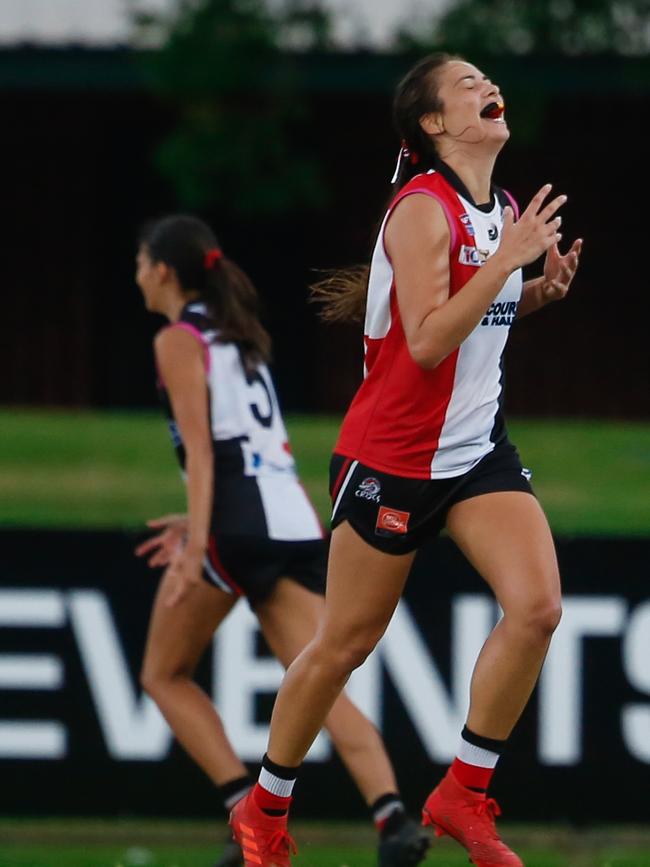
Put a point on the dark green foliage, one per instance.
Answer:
(224, 65)
(565, 27)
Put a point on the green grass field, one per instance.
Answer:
(91, 469)
(129, 843)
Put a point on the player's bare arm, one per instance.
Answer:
(180, 360)
(417, 239)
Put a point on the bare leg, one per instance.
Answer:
(289, 620)
(177, 639)
(363, 588)
(506, 537)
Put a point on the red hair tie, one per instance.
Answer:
(405, 153)
(212, 257)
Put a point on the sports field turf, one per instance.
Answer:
(92, 469)
(129, 843)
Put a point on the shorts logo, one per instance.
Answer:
(391, 521)
(369, 490)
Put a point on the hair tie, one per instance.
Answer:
(405, 153)
(212, 257)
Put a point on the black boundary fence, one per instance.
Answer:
(78, 737)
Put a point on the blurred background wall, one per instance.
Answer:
(98, 138)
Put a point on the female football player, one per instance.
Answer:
(426, 431)
(250, 529)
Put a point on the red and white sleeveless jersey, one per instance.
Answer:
(435, 423)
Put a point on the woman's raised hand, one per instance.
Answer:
(559, 271)
(534, 233)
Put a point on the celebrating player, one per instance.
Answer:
(250, 531)
(425, 432)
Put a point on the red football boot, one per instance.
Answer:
(264, 839)
(468, 817)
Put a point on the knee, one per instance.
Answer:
(357, 652)
(148, 680)
(551, 617)
(343, 656)
(544, 618)
(154, 679)
(541, 619)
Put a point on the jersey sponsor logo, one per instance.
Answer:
(466, 221)
(493, 232)
(391, 521)
(369, 489)
(526, 473)
(472, 256)
(500, 313)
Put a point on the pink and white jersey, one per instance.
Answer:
(436, 423)
(257, 492)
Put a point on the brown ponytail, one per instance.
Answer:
(190, 247)
(342, 294)
(233, 304)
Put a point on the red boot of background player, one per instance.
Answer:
(264, 839)
(468, 817)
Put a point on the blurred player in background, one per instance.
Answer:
(250, 530)
(424, 445)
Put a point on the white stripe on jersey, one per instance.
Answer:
(465, 435)
(290, 516)
(378, 317)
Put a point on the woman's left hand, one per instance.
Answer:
(559, 271)
(170, 540)
(183, 574)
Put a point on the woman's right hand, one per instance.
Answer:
(534, 233)
(168, 543)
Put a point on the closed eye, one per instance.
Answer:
(469, 81)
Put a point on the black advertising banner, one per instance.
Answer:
(78, 736)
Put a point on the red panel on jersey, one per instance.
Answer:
(396, 418)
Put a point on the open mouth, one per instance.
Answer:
(494, 110)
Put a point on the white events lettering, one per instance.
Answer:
(132, 728)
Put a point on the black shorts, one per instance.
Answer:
(397, 515)
(251, 566)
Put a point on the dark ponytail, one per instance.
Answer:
(343, 293)
(190, 247)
